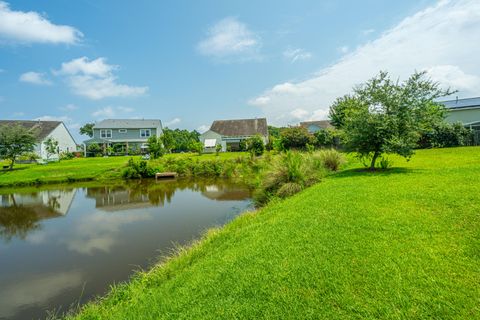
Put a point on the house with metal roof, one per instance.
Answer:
(43, 130)
(466, 111)
(125, 134)
(230, 133)
(314, 126)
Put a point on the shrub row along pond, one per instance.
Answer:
(271, 175)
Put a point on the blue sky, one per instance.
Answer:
(189, 63)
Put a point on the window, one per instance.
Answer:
(105, 133)
(122, 130)
(145, 133)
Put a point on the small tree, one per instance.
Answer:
(195, 146)
(168, 140)
(51, 147)
(155, 146)
(383, 116)
(218, 148)
(295, 137)
(94, 148)
(87, 129)
(14, 141)
(255, 145)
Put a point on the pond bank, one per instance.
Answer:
(399, 243)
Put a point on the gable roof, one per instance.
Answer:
(41, 128)
(240, 127)
(462, 103)
(324, 124)
(128, 124)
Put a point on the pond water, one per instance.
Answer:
(61, 246)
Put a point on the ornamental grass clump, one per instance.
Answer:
(331, 159)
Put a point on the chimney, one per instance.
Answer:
(456, 100)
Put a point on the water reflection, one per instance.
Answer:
(63, 243)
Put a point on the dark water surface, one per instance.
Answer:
(59, 245)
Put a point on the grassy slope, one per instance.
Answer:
(399, 244)
(82, 169)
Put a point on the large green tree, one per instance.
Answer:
(386, 116)
(155, 146)
(14, 141)
(87, 129)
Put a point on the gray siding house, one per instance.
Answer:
(314, 126)
(466, 111)
(125, 134)
(229, 133)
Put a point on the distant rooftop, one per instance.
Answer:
(324, 124)
(40, 128)
(241, 127)
(462, 103)
(128, 124)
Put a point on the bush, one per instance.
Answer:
(331, 159)
(295, 138)
(446, 135)
(67, 155)
(385, 163)
(137, 170)
(289, 189)
(255, 145)
(29, 156)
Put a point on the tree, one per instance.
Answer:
(51, 147)
(94, 148)
(255, 145)
(155, 146)
(87, 129)
(195, 146)
(295, 137)
(218, 148)
(383, 116)
(14, 141)
(167, 139)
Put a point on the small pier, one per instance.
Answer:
(165, 175)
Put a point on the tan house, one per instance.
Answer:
(230, 133)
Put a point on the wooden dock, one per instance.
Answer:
(165, 175)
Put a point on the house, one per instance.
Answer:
(125, 134)
(230, 133)
(314, 126)
(466, 111)
(44, 130)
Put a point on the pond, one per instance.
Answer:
(61, 246)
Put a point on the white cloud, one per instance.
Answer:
(230, 39)
(173, 122)
(95, 79)
(69, 107)
(111, 112)
(35, 78)
(295, 55)
(344, 49)
(442, 39)
(31, 27)
(203, 128)
(299, 113)
(54, 118)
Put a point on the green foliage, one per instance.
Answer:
(325, 138)
(14, 141)
(29, 156)
(67, 155)
(218, 148)
(384, 116)
(195, 146)
(137, 170)
(274, 131)
(51, 147)
(87, 129)
(168, 139)
(446, 135)
(255, 145)
(155, 147)
(295, 137)
(331, 159)
(385, 163)
(94, 149)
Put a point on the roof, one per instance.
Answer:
(41, 128)
(241, 127)
(324, 124)
(128, 123)
(462, 103)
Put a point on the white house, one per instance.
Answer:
(229, 133)
(44, 130)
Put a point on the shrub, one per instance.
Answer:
(137, 170)
(331, 159)
(289, 189)
(295, 138)
(446, 135)
(67, 155)
(29, 156)
(255, 145)
(385, 163)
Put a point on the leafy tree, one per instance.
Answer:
(274, 131)
(87, 129)
(295, 137)
(255, 145)
(155, 146)
(183, 139)
(324, 138)
(14, 141)
(218, 148)
(195, 146)
(51, 147)
(94, 148)
(168, 140)
(384, 116)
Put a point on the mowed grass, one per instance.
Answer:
(84, 169)
(399, 244)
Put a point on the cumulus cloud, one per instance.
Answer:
(95, 79)
(344, 49)
(31, 27)
(442, 39)
(294, 55)
(35, 78)
(203, 128)
(173, 122)
(230, 39)
(111, 112)
(69, 107)
(54, 118)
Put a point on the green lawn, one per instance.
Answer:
(400, 244)
(83, 169)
